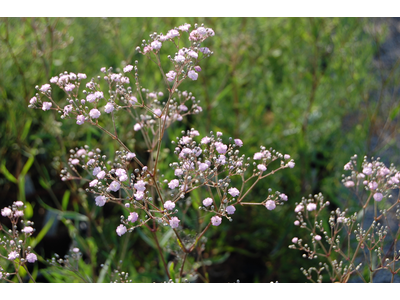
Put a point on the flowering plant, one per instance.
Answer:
(210, 175)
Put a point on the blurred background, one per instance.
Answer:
(319, 89)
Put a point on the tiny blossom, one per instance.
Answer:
(172, 33)
(291, 164)
(378, 197)
(54, 79)
(80, 152)
(33, 100)
(219, 133)
(207, 202)
(317, 237)
(94, 113)
(296, 223)
(179, 58)
(361, 175)
(205, 140)
(45, 88)
(99, 95)
(114, 186)
(169, 205)
(75, 161)
(171, 76)
(27, 229)
(201, 31)
(193, 54)
(197, 68)
(194, 133)
(128, 68)
(6, 212)
(96, 171)
(137, 127)
(295, 240)
(130, 155)
(13, 255)
(230, 210)
(184, 27)
(75, 250)
(348, 184)
(216, 220)
(139, 195)
(238, 142)
(140, 185)
(258, 155)
(283, 197)
(46, 105)
(82, 76)
(80, 119)
(158, 112)
(18, 213)
(90, 98)
(178, 172)
(286, 157)
(347, 166)
(173, 183)
(183, 107)
(174, 222)
(100, 200)
(234, 192)
(367, 170)
(133, 217)
(156, 45)
(203, 167)
(270, 205)
(101, 175)
(72, 76)
(220, 147)
(93, 183)
(121, 230)
(19, 203)
(69, 87)
(109, 107)
(341, 219)
(384, 171)
(262, 168)
(311, 206)
(373, 185)
(299, 208)
(205, 50)
(31, 258)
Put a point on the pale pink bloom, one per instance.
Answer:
(82, 76)
(6, 212)
(347, 166)
(234, 192)
(262, 168)
(311, 206)
(171, 76)
(46, 105)
(384, 171)
(230, 210)
(220, 147)
(157, 112)
(156, 45)
(297, 223)
(75, 250)
(173, 183)
(137, 127)
(109, 107)
(348, 184)
(184, 27)
(197, 68)
(201, 31)
(69, 87)
(54, 79)
(94, 113)
(291, 164)
(183, 107)
(299, 208)
(238, 142)
(99, 95)
(373, 185)
(13, 255)
(18, 213)
(194, 133)
(174, 222)
(139, 195)
(219, 133)
(33, 100)
(140, 185)
(205, 50)
(179, 58)
(101, 175)
(93, 183)
(317, 237)
(178, 172)
(270, 205)
(295, 240)
(45, 88)
(172, 33)
(378, 197)
(128, 68)
(130, 155)
(27, 229)
(367, 170)
(193, 54)
(75, 161)
(186, 139)
(120, 172)
(31, 258)
(283, 197)
(114, 186)
(169, 205)
(203, 167)
(207, 202)
(216, 220)
(96, 171)
(193, 75)
(80, 119)
(90, 98)
(121, 230)
(258, 155)
(133, 217)
(205, 140)
(103, 69)
(100, 200)
(19, 203)
(72, 76)
(286, 157)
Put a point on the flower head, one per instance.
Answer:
(216, 221)
(100, 200)
(174, 222)
(230, 210)
(133, 217)
(234, 192)
(169, 205)
(270, 205)
(121, 230)
(31, 258)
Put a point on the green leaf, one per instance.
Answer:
(28, 210)
(8, 175)
(27, 166)
(171, 267)
(166, 237)
(65, 200)
(104, 270)
(25, 131)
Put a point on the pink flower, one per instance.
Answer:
(311, 206)
(94, 113)
(283, 197)
(109, 107)
(93, 183)
(270, 205)
(69, 87)
(6, 212)
(80, 119)
(178, 172)
(296, 223)
(75, 161)
(174, 222)
(295, 240)
(46, 106)
(373, 185)
(348, 184)
(45, 88)
(100, 200)
(367, 170)
(90, 98)
(179, 58)
(19, 203)
(133, 217)
(13, 255)
(203, 167)
(258, 155)
(317, 237)
(31, 258)
(114, 186)
(171, 76)
(299, 208)
(101, 175)
(130, 155)
(33, 100)
(234, 192)
(169, 205)
(378, 197)
(27, 229)
(140, 185)
(156, 45)
(220, 147)
(173, 183)
(216, 220)
(193, 54)
(137, 127)
(238, 142)
(286, 157)
(82, 76)
(128, 68)
(205, 140)
(139, 195)
(262, 168)
(207, 202)
(291, 164)
(230, 210)
(121, 230)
